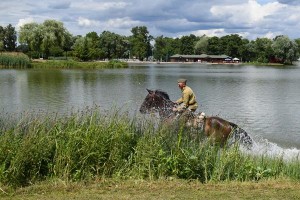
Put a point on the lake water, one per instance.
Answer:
(262, 100)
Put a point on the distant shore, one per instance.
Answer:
(135, 63)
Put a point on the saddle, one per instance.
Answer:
(193, 120)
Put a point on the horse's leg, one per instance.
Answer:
(244, 138)
(241, 136)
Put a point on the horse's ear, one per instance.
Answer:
(150, 91)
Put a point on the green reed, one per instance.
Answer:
(90, 144)
(14, 60)
(72, 64)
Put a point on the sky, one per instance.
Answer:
(250, 19)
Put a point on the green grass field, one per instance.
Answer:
(159, 189)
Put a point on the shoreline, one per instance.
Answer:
(199, 63)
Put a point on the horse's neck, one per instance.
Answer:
(167, 109)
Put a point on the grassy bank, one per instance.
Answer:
(264, 64)
(22, 61)
(71, 64)
(89, 145)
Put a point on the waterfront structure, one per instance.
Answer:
(201, 58)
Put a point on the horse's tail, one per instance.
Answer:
(240, 135)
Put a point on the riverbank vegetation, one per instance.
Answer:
(71, 64)
(14, 60)
(22, 61)
(90, 145)
(52, 39)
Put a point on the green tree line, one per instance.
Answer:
(52, 39)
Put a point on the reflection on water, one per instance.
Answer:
(262, 100)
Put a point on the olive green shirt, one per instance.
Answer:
(188, 99)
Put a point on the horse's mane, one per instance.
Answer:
(162, 94)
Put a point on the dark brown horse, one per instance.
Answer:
(158, 101)
(218, 130)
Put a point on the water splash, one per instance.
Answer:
(264, 147)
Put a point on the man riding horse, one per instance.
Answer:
(215, 128)
(186, 104)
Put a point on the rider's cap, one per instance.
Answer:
(182, 80)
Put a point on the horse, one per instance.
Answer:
(158, 101)
(216, 129)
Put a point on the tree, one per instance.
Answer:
(54, 36)
(263, 50)
(1, 38)
(51, 35)
(113, 45)
(140, 42)
(243, 51)
(94, 50)
(10, 38)
(213, 46)
(285, 49)
(188, 44)
(81, 48)
(230, 45)
(163, 48)
(68, 43)
(201, 45)
(30, 35)
(298, 43)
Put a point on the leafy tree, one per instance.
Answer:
(10, 38)
(68, 43)
(81, 48)
(164, 48)
(175, 45)
(140, 42)
(230, 45)
(54, 36)
(94, 50)
(243, 51)
(202, 45)
(159, 47)
(213, 46)
(298, 43)
(51, 35)
(113, 45)
(263, 50)
(285, 49)
(188, 44)
(30, 35)
(1, 38)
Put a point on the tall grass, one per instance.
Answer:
(71, 64)
(14, 60)
(91, 144)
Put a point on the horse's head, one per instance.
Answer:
(156, 101)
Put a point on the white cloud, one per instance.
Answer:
(23, 21)
(248, 18)
(121, 22)
(212, 32)
(248, 13)
(270, 35)
(98, 6)
(87, 22)
(111, 23)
